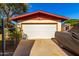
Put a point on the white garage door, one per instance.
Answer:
(42, 31)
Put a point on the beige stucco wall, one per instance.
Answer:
(42, 21)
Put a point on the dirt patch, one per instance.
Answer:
(24, 48)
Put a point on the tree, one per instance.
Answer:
(72, 22)
(9, 10)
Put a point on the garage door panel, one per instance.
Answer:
(39, 30)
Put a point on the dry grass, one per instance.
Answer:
(0, 36)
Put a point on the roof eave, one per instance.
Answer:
(26, 15)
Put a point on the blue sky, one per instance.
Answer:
(70, 10)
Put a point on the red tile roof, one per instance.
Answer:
(39, 12)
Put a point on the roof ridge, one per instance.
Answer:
(39, 11)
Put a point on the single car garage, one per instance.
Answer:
(39, 24)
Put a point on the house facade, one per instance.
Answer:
(40, 24)
(68, 26)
